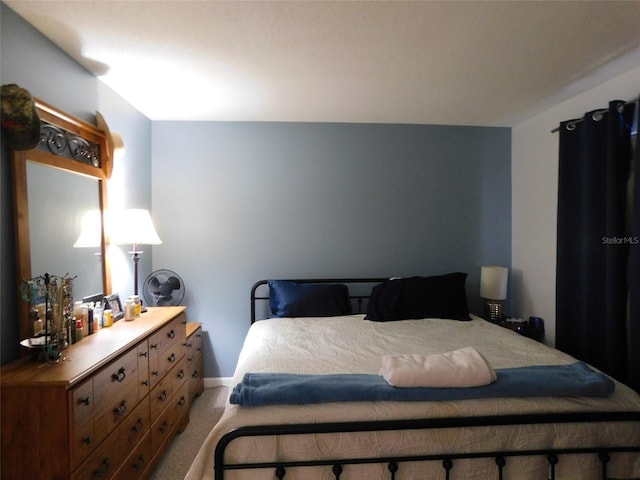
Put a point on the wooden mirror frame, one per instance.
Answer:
(86, 151)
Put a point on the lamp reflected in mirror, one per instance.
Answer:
(90, 232)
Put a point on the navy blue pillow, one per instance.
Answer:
(442, 296)
(292, 299)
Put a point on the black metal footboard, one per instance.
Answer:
(446, 460)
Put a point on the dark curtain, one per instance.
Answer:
(597, 287)
(633, 343)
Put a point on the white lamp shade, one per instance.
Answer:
(132, 227)
(493, 282)
(90, 230)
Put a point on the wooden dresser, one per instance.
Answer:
(108, 411)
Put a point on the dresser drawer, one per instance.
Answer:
(164, 391)
(195, 378)
(173, 332)
(82, 402)
(144, 383)
(82, 437)
(116, 410)
(194, 344)
(83, 442)
(136, 463)
(103, 463)
(161, 395)
(161, 362)
(179, 374)
(165, 426)
(117, 375)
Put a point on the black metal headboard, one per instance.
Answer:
(258, 289)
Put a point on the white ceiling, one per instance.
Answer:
(447, 62)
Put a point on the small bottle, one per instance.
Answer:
(90, 319)
(79, 329)
(98, 310)
(129, 310)
(107, 318)
(80, 313)
(84, 316)
(138, 304)
(70, 331)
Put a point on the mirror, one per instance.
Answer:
(58, 202)
(55, 184)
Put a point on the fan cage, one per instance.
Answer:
(163, 288)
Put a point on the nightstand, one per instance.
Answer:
(532, 328)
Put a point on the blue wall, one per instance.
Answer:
(239, 202)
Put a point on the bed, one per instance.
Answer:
(582, 436)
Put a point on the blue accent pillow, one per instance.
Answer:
(442, 296)
(292, 299)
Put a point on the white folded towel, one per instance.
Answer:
(465, 367)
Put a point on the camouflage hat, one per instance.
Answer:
(20, 121)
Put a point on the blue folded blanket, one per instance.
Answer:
(257, 389)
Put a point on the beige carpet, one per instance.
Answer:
(205, 412)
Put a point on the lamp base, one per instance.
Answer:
(494, 311)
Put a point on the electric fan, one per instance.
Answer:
(163, 288)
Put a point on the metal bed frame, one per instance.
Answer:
(394, 463)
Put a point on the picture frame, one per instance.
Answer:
(113, 302)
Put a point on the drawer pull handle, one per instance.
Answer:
(182, 401)
(171, 334)
(144, 354)
(199, 349)
(154, 345)
(139, 465)
(181, 374)
(121, 409)
(196, 374)
(145, 383)
(188, 345)
(163, 396)
(138, 426)
(103, 469)
(87, 440)
(85, 401)
(155, 373)
(164, 427)
(172, 358)
(198, 335)
(120, 376)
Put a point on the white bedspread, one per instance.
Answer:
(353, 345)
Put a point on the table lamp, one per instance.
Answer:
(493, 287)
(133, 227)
